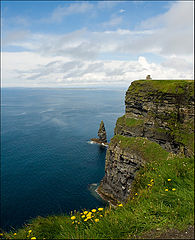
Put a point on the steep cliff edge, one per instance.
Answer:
(159, 117)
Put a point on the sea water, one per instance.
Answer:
(47, 161)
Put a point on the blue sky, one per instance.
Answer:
(132, 12)
(97, 43)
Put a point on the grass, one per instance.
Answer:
(150, 205)
(179, 87)
(129, 122)
(124, 123)
(148, 150)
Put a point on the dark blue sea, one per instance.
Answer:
(47, 161)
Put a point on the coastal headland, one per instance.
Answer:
(149, 172)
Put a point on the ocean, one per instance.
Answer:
(48, 165)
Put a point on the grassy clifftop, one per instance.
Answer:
(164, 86)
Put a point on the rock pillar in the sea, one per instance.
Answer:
(102, 133)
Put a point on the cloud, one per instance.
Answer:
(77, 8)
(30, 69)
(173, 30)
(115, 21)
(178, 64)
(16, 37)
(122, 11)
(167, 35)
(75, 58)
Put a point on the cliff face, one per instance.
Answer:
(161, 111)
(158, 113)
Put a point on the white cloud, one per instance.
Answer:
(122, 11)
(30, 69)
(15, 37)
(61, 11)
(167, 35)
(74, 58)
(114, 21)
(173, 30)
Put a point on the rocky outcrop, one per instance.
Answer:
(158, 117)
(161, 111)
(101, 134)
(121, 166)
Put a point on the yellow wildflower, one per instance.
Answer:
(152, 180)
(85, 212)
(166, 190)
(169, 180)
(136, 194)
(15, 234)
(101, 215)
(1, 234)
(85, 219)
(100, 209)
(73, 218)
(120, 205)
(93, 210)
(81, 213)
(96, 220)
(78, 222)
(30, 231)
(173, 189)
(83, 216)
(72, 222)
(33, 237)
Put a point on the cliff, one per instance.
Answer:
(159, 115)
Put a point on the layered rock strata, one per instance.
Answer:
(159, 113)
(101, 134)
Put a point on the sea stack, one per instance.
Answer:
(102, 135)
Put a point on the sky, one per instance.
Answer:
(95, 43)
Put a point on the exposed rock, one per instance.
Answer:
(157, 112)
(161, 113)
(101, 134)
(124, 157)
(121, 166)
